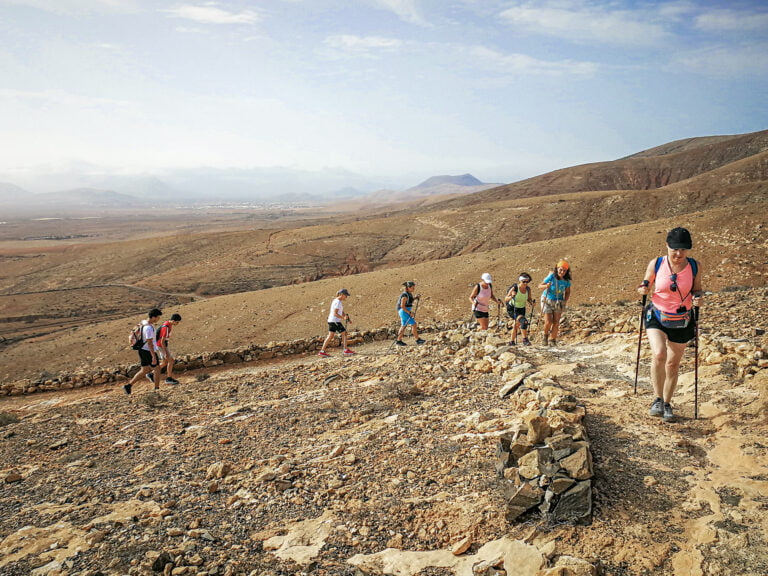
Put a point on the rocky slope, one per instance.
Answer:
(385, 462)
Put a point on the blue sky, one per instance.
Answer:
(395, 90)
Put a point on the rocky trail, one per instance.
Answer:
(384, 463)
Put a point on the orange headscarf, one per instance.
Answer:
(563, 264)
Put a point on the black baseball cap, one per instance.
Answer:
(679, 239)
(343, 291)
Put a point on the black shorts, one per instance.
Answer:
(336, 327)
(479, 314)
(677, 335)
(145, 356)
(517, 312)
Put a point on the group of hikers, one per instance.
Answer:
(153, 349)
(670, 320)
(556, 290)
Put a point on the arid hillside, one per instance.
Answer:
(654, 168)
(285, 268)
(729, 242)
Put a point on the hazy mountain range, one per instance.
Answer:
(205, 186)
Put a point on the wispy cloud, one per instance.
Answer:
(733, 21)
(726, 61)
(362, 44)
(406, 10)
(76, 6)
(588, 23)
(212, 14)
(521, 64)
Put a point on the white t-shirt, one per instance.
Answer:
(336, 306)
(148, 335)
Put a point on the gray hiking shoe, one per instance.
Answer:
(657, 408)
(546, 339)
(668, 415)
(400, 343)
(553, 342)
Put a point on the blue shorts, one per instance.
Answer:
(405, 318)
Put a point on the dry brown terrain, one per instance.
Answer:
(382, 462)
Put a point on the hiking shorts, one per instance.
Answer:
(551, 306)
(517, 312)
(479, 314)
(676, 335)
(145, 356)
(336, 327)
(405, 318)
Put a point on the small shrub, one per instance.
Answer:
(6, 419)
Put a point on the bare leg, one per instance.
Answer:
(555, 325)
(327, 341)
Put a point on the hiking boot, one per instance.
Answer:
(668, 415)
(150, 377)
(657, 408)
(171, 381)
(546, 339)
(512, 343)
(127, 388)
(420, 341)
(526, 342)
(349, 351)
(553, 343)
(400, 343)
(323, 353)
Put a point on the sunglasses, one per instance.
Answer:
(673, 286)
(525, 282)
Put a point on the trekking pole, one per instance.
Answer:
(696, 362)
(530, 322)
(640, 340)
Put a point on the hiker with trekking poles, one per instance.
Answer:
(407, 313)
(337, 320)
(557, 291)
(671, 319)
(518, 297)
(481, 298)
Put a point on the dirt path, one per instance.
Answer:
(685, 498)
(697, 487)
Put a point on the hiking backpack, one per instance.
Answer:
(136, 337)
(163, 332)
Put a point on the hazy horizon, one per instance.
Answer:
(389, 91)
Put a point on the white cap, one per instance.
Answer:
(486, 278)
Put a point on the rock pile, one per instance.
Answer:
(546, 462)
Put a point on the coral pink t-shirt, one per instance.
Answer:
(664, 298)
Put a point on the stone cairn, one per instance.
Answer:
(545, 463)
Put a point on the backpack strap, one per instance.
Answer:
(691, 261)
(694, 266)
